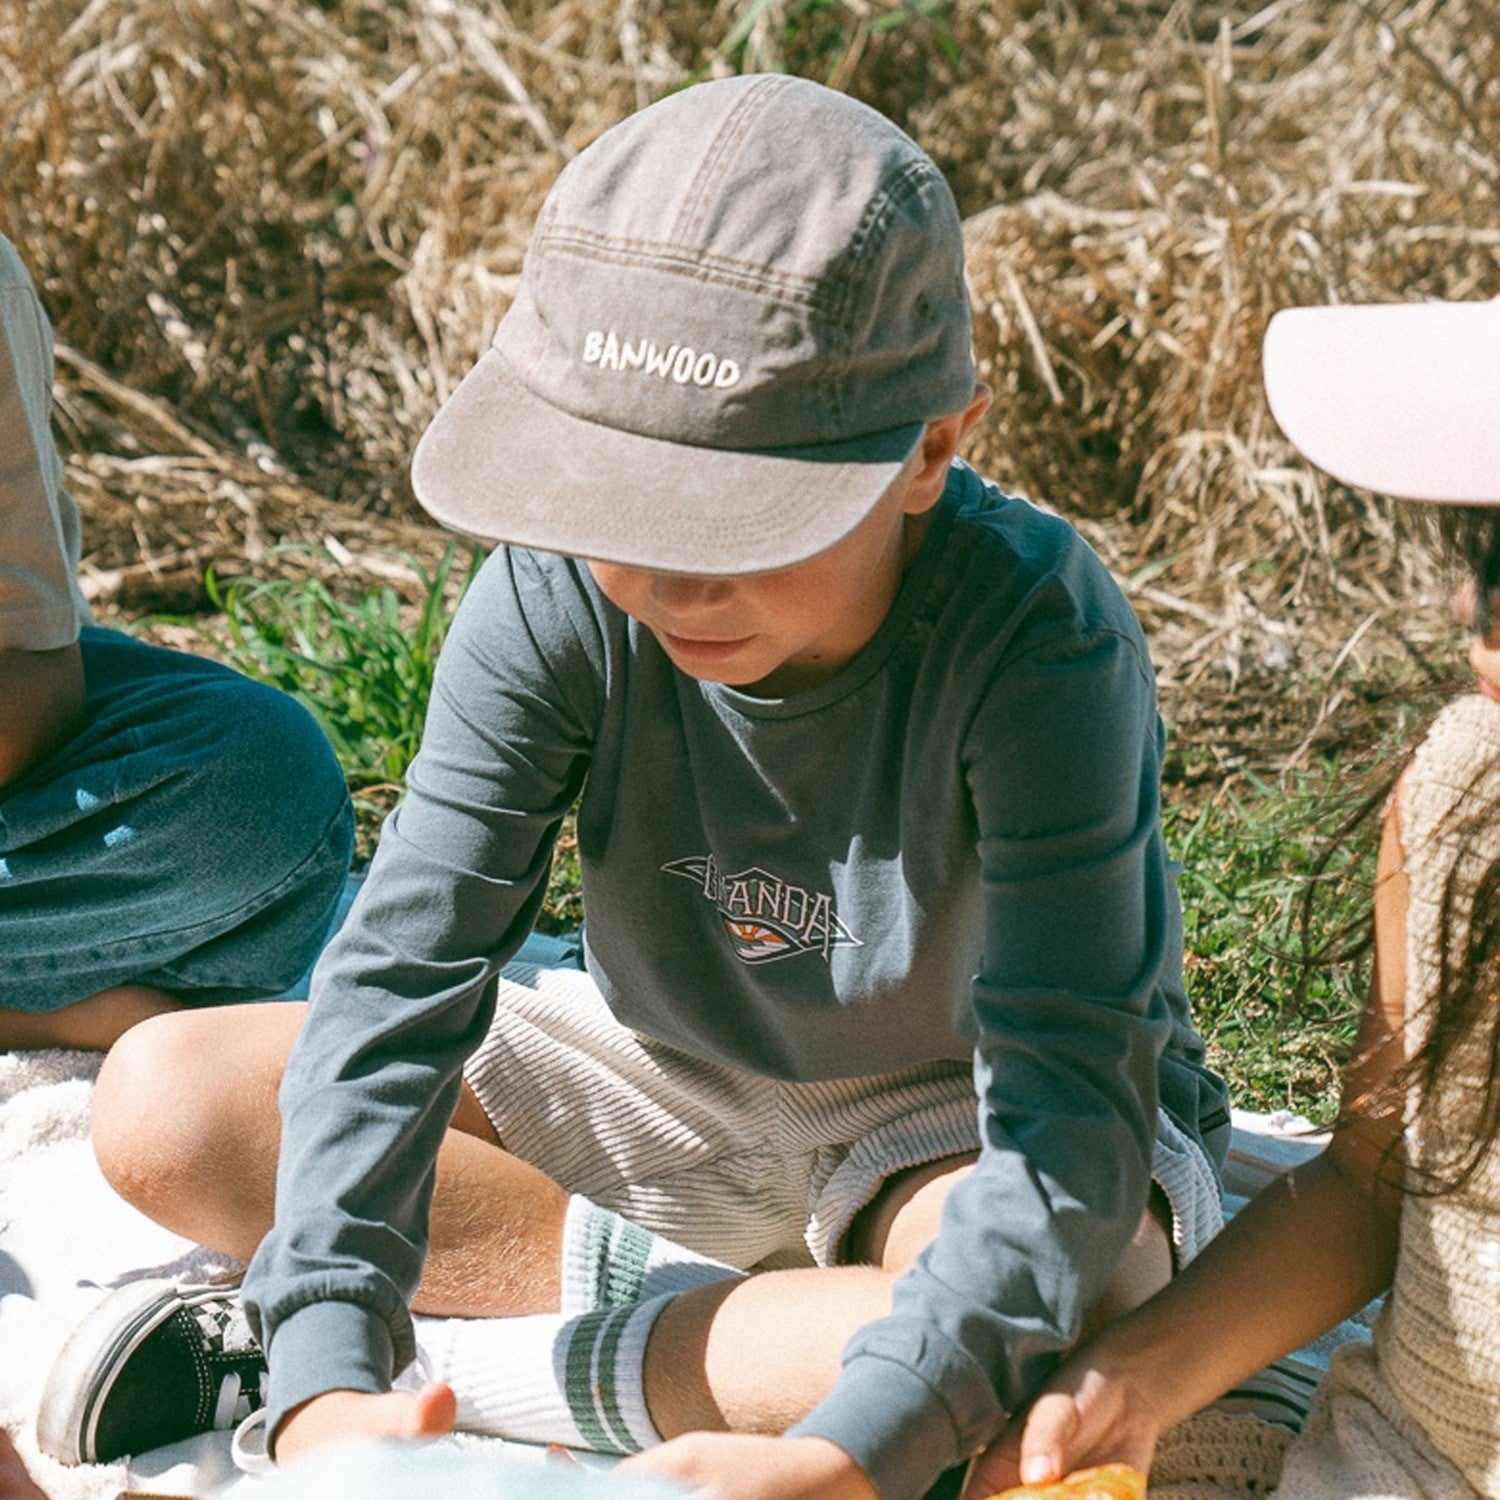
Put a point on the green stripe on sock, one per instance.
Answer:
(609, 1396)
(596, 1254)
(578, 1383)
(627, 1266)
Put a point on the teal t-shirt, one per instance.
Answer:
(950, 849)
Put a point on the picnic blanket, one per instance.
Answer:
(65, 1237)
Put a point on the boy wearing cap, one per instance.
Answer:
(881, 930)
(170, 832)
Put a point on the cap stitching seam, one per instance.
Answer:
(802, 293)
(864, 241)
(624, 248)
(716, 160)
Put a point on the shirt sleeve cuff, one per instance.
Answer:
(326, 1346)
(41, 627)
(907, 1446)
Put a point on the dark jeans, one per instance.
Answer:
(194, 835)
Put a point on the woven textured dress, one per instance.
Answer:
(1416, 1415)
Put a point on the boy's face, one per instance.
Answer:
(778, 633)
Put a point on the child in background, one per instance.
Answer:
(170, 833)
(883, 981)
(1403, 399)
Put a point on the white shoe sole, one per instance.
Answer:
(68, 1418)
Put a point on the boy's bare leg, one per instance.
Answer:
(756, 1355)
(202, 1160)
(96, 1023)
(747, 1466)
(750, 1355)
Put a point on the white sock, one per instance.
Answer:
(609, 1262)
(549, 1378)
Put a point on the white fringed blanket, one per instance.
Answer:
(64, 1237)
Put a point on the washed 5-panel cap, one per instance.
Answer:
(1401, 398)
(737, 311)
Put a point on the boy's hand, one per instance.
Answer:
(1083, 1417)
(335, 1415)
(733, 1466)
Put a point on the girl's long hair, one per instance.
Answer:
(1461, 1030)
(1459, 1023)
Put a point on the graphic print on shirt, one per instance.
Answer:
(764, 916)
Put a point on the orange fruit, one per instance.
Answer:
(1107, 1482)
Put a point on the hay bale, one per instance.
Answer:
(1159, 197)
(273, 236)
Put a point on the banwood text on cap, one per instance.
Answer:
(737, 310)
(1403, 398)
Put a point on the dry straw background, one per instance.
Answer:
(273, 234)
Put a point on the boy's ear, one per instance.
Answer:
(937, 449)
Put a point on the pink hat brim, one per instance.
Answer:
(1403, 399)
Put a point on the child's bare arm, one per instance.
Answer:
(1310, 1250)
(43, 695)
(1314, 1247)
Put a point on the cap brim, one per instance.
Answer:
(1403, 399)
(501, 463)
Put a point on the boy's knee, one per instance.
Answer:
(152, 1127)
(273, 771)
(1145, 1267)
(903, 1217)
(269, 799)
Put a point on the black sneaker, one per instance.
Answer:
(153, 1363)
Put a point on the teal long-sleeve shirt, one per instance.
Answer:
(951, 849)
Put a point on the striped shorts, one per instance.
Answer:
(747, 1169)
